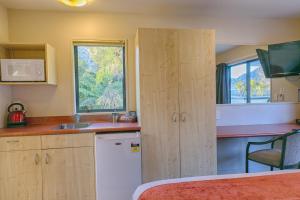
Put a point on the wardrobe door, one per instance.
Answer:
(157, 90)
(197, 102)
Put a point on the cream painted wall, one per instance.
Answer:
(239, 54)
(287, 85)
(59, 29)
(5, 91)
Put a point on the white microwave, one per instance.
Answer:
(22, 70)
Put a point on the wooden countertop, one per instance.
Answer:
(100, 127)
(254, 130)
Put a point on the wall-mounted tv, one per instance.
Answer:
(284, 59)
(263, 57)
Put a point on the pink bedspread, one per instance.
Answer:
(270, 187)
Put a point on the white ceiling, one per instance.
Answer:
(214, 8)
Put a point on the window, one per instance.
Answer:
(248, 83)
(100, 77)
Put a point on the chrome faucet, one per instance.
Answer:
(77, 118)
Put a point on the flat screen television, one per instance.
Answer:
(284, 59)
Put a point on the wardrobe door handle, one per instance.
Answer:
(174, 117)
(47, 159)
(37, 159)
(183, 116)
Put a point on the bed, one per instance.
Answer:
(277, 185)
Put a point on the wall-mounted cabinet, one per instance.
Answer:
(27, 64)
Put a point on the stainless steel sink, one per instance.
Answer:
(74, 126)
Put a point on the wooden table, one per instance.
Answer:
(254, 130)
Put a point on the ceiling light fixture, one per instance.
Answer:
(74, 3)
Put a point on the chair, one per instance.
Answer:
(283, 154)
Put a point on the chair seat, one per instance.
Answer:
(266, 156)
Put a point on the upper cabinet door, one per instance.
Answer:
(20, 175)
(157, 89)
(197, 102)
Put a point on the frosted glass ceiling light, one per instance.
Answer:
(74, 3)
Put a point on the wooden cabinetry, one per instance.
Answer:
(31, 51)
(20, 169)
(20, 175)
(20, 143)
(69, 174)
(69, 169)
(67, 141)
(62, 167)
(159, 107)
(176, 102)
(197, 102)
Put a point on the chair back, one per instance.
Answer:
(292, 148)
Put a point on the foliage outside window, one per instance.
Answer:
(100, 77)
(248, 83)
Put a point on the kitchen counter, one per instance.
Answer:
(239, 131)
(100, 127)
(256, 130)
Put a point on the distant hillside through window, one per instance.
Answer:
(248, 83)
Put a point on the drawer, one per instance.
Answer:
(20, 143)
(68, 140)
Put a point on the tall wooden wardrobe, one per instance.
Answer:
(176, 102)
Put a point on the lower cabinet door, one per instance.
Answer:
(69, 174)
(20, 175)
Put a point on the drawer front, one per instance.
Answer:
(68, 140)
(20, 143)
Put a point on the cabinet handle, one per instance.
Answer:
(174, 117)
(37, 159)
(12, 141)
(47, 159)
(183, 116)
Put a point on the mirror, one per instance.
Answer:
(241, 78)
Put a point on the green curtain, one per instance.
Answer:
(263, 57)
(223, 84)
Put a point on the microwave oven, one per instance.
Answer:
(22, 70)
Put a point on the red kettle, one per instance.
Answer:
(16, 115)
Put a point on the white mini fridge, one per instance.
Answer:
(118, 165)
